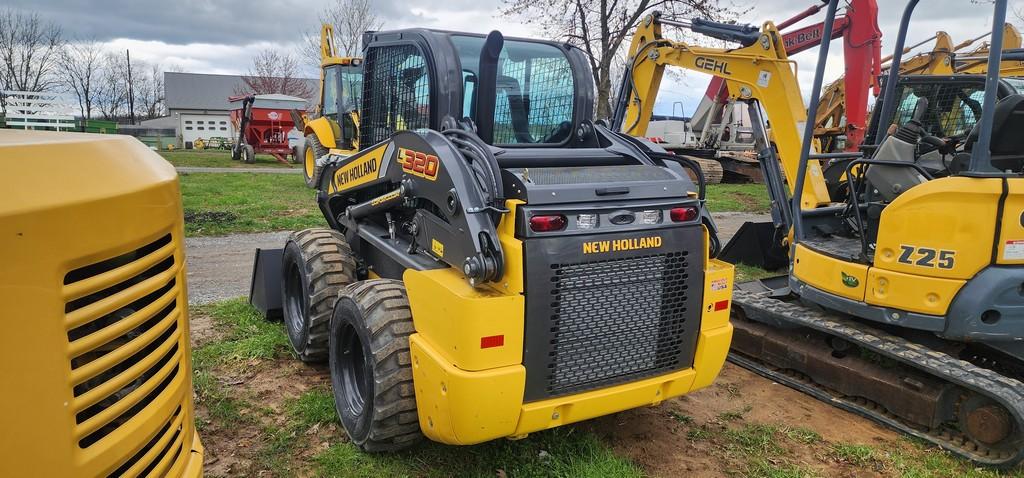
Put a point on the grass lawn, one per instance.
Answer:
(738, 198)
(260, 412)
(216, 159)
(226, 203)
(295, 431)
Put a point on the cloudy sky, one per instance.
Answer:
(220, 36)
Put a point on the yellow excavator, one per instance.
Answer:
(94, 356)
(829, 123)
(902, 301)
(336, 126)
(976, 61)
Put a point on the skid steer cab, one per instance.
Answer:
(495, 263)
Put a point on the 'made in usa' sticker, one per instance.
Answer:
(719, 284)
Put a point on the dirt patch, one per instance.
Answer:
(690, 433)
(201, 329)
(210, 217)
(236, 447)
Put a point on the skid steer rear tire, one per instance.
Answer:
(316, 266)
(310, 165)
(371, 368)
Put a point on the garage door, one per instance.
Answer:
(205, 126)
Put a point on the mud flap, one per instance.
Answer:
(756, 244)
(265, 288)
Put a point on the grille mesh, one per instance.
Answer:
(616, 320)
(534, 97)
(124, 328)
(953, 109)
(396, 93)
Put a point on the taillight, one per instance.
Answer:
(683, 214)
(554, 222)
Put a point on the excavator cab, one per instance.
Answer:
(922, 266)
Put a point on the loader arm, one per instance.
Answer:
(760, 72)
(327, 50)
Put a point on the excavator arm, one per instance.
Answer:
(759, 73)
(976, 61)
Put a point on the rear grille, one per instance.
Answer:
(124, 322)
(617, 319)
(592, 324)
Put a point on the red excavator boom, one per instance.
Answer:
(862, 47)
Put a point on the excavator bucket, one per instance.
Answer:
(757, 244)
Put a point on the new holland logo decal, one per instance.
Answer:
(619, 245)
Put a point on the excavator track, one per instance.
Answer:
(1003, 396)
(711, 168)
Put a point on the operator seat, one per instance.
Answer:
(1007, 144)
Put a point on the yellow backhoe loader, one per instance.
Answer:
(336, 123)
(94, 356)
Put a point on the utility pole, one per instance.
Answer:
(131, 94)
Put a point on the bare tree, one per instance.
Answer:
(149, 91)
(81, 64)
(275, 72)
(349, 18)
(600, 27)
(112, 88)
(29, 51)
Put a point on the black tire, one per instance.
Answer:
(310, 166)
(296, 155)
(316, 266)
(248, 154)
(236, 153)
(371, 369)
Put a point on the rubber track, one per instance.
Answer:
(1004, 390)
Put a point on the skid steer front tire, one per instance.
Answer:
(311, 155)
(371, 369)
(317, 264)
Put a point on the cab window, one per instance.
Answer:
(330, 94)
(535, 97)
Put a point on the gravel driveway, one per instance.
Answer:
(221, 267)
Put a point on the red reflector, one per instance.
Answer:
(683, 214)
(492, 341)
(721, 305)
(547, 223)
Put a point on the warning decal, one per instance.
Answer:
(1014, 250)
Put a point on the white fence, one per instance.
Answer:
(36, 110)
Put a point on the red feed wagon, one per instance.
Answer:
(263, 123)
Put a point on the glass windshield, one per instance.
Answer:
(330, 93)
(535, 93)
(351, 87)
(1016, 83)
(953, 109)
(343, 86)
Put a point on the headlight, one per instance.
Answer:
(587, 221)
(650, 217)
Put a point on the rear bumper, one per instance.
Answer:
(458, 407)
(989, 307)
(194, 466)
